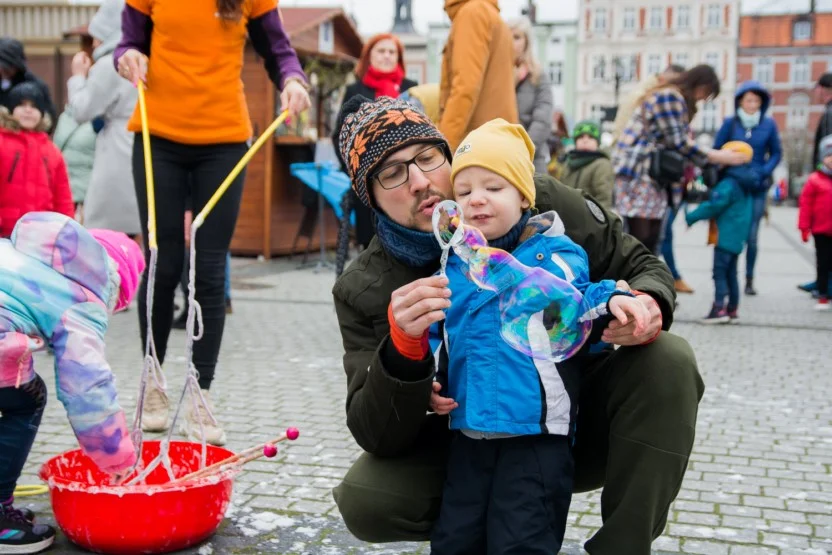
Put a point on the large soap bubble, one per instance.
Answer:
(541, 313)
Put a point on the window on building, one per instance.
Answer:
(709, 117)
(797, 114)
(628, 22)
(657, 17)
(597, 112)
(683, 17)
(714, 16)
(682, 59)
(712, 59)
(599, 69)
(654, 64)
(556, 73)
(764, 71)
(600, 19)
(802, 30)
(800, 71)
(626, 68)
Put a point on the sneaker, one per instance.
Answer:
(823, 304)
(733, 315)
(808, 287)
(19, 535)
(717, 315)
(214, 434)
(749, 287)
(682, 287)
(156, 408)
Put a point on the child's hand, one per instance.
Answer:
(621, 306)
(804, 233)
(441, 405)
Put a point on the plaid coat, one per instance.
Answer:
(662, 119)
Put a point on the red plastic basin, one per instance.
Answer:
(150, 518)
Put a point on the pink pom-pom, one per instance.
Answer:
(270, 450)
(292, 433)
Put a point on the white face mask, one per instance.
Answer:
(5, 84)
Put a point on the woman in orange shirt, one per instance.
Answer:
(190, 55)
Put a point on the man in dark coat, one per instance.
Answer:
(824, 91)
(638, 403)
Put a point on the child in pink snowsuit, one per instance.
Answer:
(58, 285)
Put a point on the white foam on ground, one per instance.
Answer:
(206, 550)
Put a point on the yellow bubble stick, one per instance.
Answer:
(267, 134)
(148, 170)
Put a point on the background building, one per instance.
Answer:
(621, 42)
(788, 53)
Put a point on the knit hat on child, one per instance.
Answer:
(503, 148)
(27, 91)
(587, 127)
(128, 257)
(825, 148)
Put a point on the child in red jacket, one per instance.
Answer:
(33, 175)
(815, 218)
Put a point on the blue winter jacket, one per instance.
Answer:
(731, 204)
(499, 389)
(763, 138)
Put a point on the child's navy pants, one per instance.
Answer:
(505, 496)
(21, 410)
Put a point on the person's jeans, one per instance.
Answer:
(726, 283)
(180, 168)
(21, 410)
(667, 243)
(759, 208)
(183, 285)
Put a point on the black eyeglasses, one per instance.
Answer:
(396, 175)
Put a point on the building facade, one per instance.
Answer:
(621, 42)
(788, 53)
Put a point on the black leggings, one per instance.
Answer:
(178, 168)
(823, 252)
(647, 231)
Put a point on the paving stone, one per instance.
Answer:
(759, 481)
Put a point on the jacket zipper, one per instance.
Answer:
(14, 166)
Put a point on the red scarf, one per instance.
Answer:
(385, 83)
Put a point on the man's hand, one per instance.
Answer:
(625, 334)
(81, 64)
(294, 97)
(419, 304)
(441, 405)
(133, 66)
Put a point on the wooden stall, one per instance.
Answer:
(277, 208)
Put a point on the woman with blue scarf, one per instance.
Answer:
(752, 126)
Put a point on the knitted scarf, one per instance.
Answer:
(385, 83)
(411, 247)
(511, 240)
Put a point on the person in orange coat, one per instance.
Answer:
(477, 82)
(33, 176)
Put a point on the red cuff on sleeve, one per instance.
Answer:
(412, 347)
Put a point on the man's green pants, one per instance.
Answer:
(635, 431)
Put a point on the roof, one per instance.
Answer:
(768, 31)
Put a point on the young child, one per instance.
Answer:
(58, 284)
(586, 167)
(32, 170)
(509, 481)
(730, 204)
(815, 218)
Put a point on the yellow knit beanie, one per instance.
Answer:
(503, 148)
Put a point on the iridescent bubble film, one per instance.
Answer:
(540, 312)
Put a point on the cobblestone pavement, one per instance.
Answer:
(760, 481)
